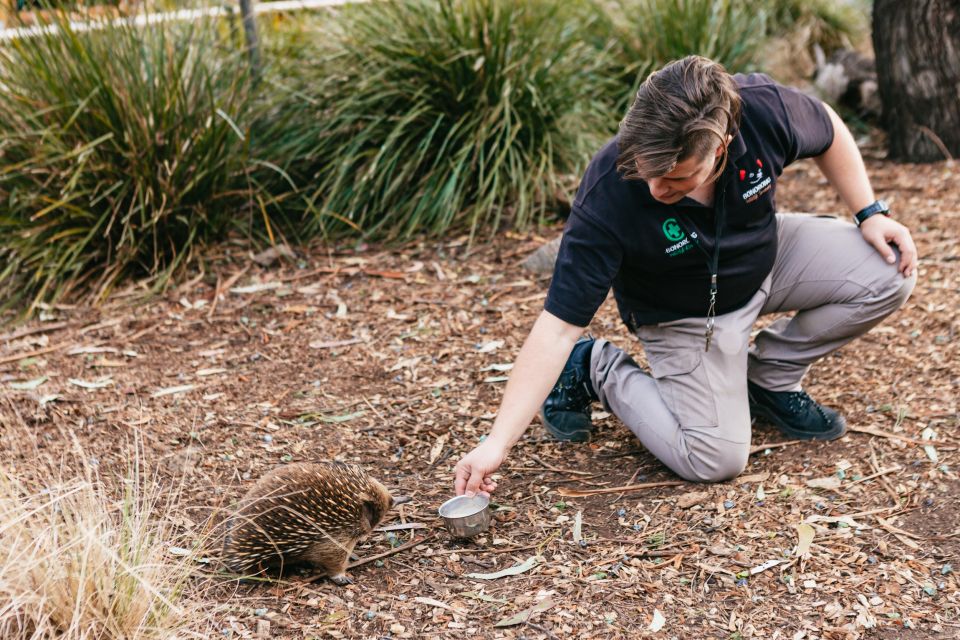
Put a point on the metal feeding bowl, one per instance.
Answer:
(466, 517)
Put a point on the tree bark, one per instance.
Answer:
(917, 45)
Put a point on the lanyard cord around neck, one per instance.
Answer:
(720, 212)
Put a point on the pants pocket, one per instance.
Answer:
(685, 387)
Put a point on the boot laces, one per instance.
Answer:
(799, 401)
(573, 394)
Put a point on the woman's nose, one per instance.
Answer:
(657, 186)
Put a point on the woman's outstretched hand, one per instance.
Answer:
(473, 472)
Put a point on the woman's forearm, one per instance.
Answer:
(843, 167)
(537, 367)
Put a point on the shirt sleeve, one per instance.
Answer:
(810, 127)
(587, 263)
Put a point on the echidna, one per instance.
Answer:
(305, 514)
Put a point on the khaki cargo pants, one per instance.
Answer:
(692, 413)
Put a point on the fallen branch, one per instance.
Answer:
(899, 534)
(893, 436)
(403, 547)
(224, 286)
(876, 475)
(775, 445)
(20, 333)
(550, 467)
(403, 527)
(143, 332)
(333, 344)
(32, 354)
(579, 493)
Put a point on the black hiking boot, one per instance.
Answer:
(566, 411)
(795, 413)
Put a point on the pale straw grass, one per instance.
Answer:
(81, 559)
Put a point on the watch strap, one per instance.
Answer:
(878, 206)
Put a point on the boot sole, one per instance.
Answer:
(759, 411)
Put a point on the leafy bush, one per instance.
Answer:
(452, 113)
(121, 149)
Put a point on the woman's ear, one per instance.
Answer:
(722, 147)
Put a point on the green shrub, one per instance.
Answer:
(289, 117)
(121, 152)
(649, 33)
(451, 113)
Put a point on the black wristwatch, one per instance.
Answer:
(879, 206)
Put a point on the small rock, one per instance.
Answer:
(269, 256)
(397, 628)
(263, 628)
(688, 500)
(543, 259)
(728, 504)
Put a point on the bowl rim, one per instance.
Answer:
(483, 501)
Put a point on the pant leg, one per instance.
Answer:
(840, 287)
(692, 413)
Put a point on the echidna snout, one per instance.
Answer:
(305, 514)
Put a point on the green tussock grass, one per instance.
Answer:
(122, 151)
(450, 114)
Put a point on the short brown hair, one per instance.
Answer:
(681, 111)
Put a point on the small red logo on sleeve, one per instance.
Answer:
(743, 174)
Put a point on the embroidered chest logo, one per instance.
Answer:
(674, 233)
(671, 229)
(757, 182)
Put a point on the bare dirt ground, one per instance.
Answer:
(388, 358)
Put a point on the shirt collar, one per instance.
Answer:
(737, 146)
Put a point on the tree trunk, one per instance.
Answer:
(917, 45)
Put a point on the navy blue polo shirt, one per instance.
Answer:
(655, 255)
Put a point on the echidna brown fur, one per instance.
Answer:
(305, 514)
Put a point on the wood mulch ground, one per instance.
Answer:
(394, 359)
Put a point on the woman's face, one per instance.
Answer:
(683, 178)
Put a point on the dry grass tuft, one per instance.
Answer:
(82, 559)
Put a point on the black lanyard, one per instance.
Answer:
(720, 213)
(713, 259)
